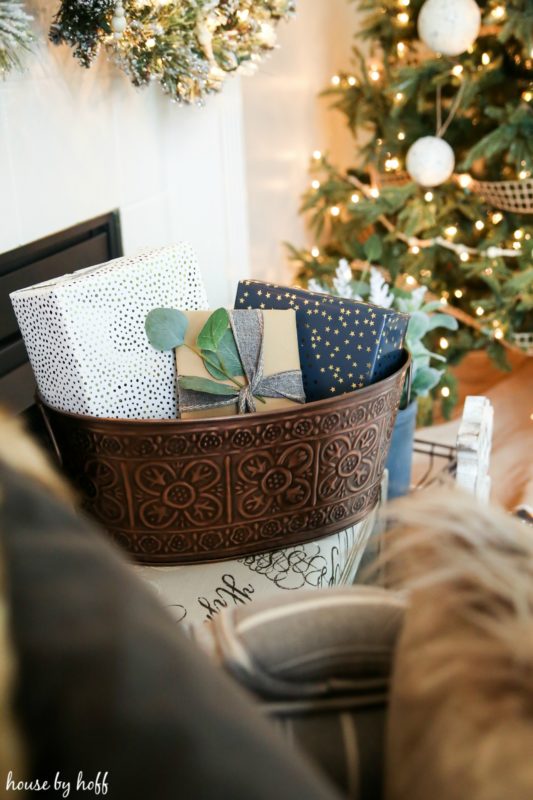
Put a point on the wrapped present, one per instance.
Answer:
(196, 593)
(85, 338)
(344, 344)
(265, 347)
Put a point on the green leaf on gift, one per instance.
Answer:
(214, 329)
(166, 328)
(226, 358)
(195, 384)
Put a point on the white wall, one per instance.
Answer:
(285, 121)
(76, 143)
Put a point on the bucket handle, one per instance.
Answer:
(49, 429)
(409, 381)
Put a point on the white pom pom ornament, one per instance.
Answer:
(449, 27)
(430, 161)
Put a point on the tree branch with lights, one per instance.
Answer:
(440, 105)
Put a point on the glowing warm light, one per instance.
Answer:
(243, 15)
(458, 293)
(391, 163)
(334, 211)
(403, 18)
(498, 12)
(444, 344)
(335, 80)
(374, 73)
(485, 58)
(315, 184)
(518, 234)
(457, 70)
(410, 280)
(315, 252)
(355, 198)
(523, 174)
(497, 217)
(401, 136)
(399, 97)
(352, 81)
(516, 245)
(150, 43)
(317, 155)
(401, 48)
(405, 3)
(414, 250)
(445, 392)
(498, 334)
(464, 256)
(487, 271)
(527, 96)
(480, 311)
(444, 301)
(428, 197)
(451, 230)
(465, 180)
(479, 224)
(374, 191)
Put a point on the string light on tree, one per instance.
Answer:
(449, 27)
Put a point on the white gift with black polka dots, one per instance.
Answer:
(85, 335)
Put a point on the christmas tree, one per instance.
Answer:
(440, 104)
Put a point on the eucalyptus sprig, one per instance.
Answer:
(215, 346)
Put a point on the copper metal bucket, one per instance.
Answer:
(184, 491)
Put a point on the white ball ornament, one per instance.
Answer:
(118, 21)
(449, 27)
(430, 161)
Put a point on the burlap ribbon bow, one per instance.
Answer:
(248, 330)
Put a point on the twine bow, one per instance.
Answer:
(248, 330)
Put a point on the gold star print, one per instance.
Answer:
(322, 369)
(329, 317)
(327, 329)
(348, 312)
(369, 365)
(356, 322)
(359, 347)
(261, 305)
(291, 302)
(350, 374)
(342, 311)
(333, 389)
(316, 301)
(341, 380)
(373, 316)
(365, 321)
(344, 324)
(330, 366)
(317, 355)
(352, 333)
(361, 334)
(357, 310)
(346, 341)
(268, 294)
(246, 294)
(313, 346)
(327, 343)
(324, 314)
(368, 349)
(348, 356)
(337, 349)
(316, 310)
(319, 338)
(296, 308)
(332, 355)
(306, 302)
(354, 385)
(241, 300)
(259, 292)
(336, 331)
(287, 294)
(309, 311)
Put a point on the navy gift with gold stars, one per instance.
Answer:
(344, 344)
